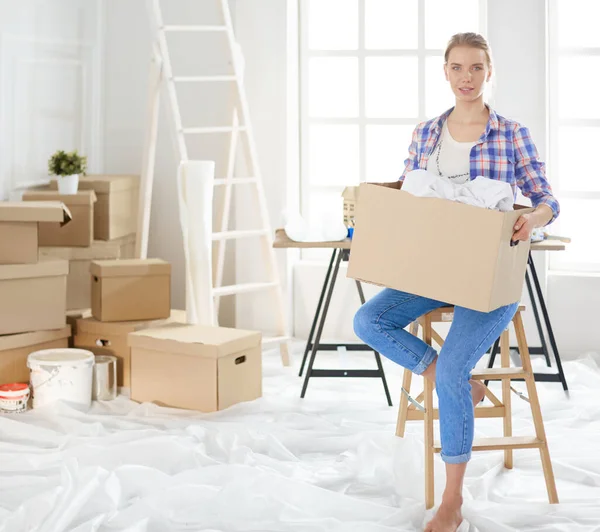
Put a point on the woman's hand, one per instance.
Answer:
(524, 227)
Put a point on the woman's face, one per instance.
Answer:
(467, 71)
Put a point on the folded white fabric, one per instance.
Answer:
(330, 228)
(480, 192)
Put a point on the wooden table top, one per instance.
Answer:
(283, 241)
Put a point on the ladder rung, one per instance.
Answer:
(200, 79)
(241, 288)
(229, 235)
(236, 181)
(225, 129)
(496, 444)
(499, 373)
(191, 27)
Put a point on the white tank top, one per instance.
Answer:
(450, 158)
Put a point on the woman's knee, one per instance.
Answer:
(364, 321)
(449, 375)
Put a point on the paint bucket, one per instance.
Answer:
(104, 387)
(61, 375)
(14, 397)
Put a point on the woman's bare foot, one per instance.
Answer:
(448, 517)
(477, 391)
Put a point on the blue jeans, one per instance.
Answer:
(380, 324)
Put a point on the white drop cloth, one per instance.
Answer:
(480, 192)
(329, 462)
(195, 182)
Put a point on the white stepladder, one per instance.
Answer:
(162, 75)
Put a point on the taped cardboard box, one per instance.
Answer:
(195, 367)
(131, 289)
(33, 297)
(437, 248)
(79, 281)
(19, 222)
(15, 348)
(110, 338)
(115, 212)
(80, 231)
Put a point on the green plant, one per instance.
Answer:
(63, 163)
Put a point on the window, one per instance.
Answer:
(370, 71)
(574, 126)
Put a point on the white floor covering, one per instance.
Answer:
(329, 462)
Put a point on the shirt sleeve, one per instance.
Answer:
(530, 172)
(412, 163)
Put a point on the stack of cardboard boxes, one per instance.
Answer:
(117, 305)
(33, 288)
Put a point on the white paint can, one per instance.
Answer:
(61, 375)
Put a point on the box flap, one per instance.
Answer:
(83, 197)
(104, 184)
(196, 340)
(128, 267)
(34, 211)
(350, 193)
(16, 341)
(46, 267)
(91, 325)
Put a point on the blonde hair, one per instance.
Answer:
(474, 40)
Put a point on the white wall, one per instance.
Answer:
(50, 86)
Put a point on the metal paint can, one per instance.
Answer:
(104, 387)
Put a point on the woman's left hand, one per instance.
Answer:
(524, 227)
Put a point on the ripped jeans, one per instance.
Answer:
(380, 324)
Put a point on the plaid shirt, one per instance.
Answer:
(505, 152)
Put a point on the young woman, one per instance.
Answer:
(466, 141)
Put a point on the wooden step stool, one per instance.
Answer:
(498, 409)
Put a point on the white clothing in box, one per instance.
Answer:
(195, 366)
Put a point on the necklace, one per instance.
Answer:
(437, 161)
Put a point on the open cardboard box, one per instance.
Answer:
(437, 248)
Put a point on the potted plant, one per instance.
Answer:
(67, 167)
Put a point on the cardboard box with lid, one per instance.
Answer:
(79, 281)
(33, 297)
(110, 338)
(19, 228)
(436, 248)
(195, 367)
(131, 289)
(15, 348)
(80, 231)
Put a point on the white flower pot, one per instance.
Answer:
(68, 184)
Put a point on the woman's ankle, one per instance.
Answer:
(452, 498)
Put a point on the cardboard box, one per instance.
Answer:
(196, 367)
(72, 316)
(15, 348)
(115, 212)
(131, 289)
(350, 195)
(110, 338)
(33, 297)
(19, 223)
(80, 231)
(79, 282)
(437, 248)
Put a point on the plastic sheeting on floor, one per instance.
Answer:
(329, 462)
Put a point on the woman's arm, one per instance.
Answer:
(530, 173)
(412, 163)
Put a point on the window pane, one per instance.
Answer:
(391, 87)
(578, 99)
(438, 94)
(334, 155)
(579, 219)
(578, 22)
(574, 172)
(333, 87)
(333, 24)
(390, 24)
(387, 147)
(443, 19)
